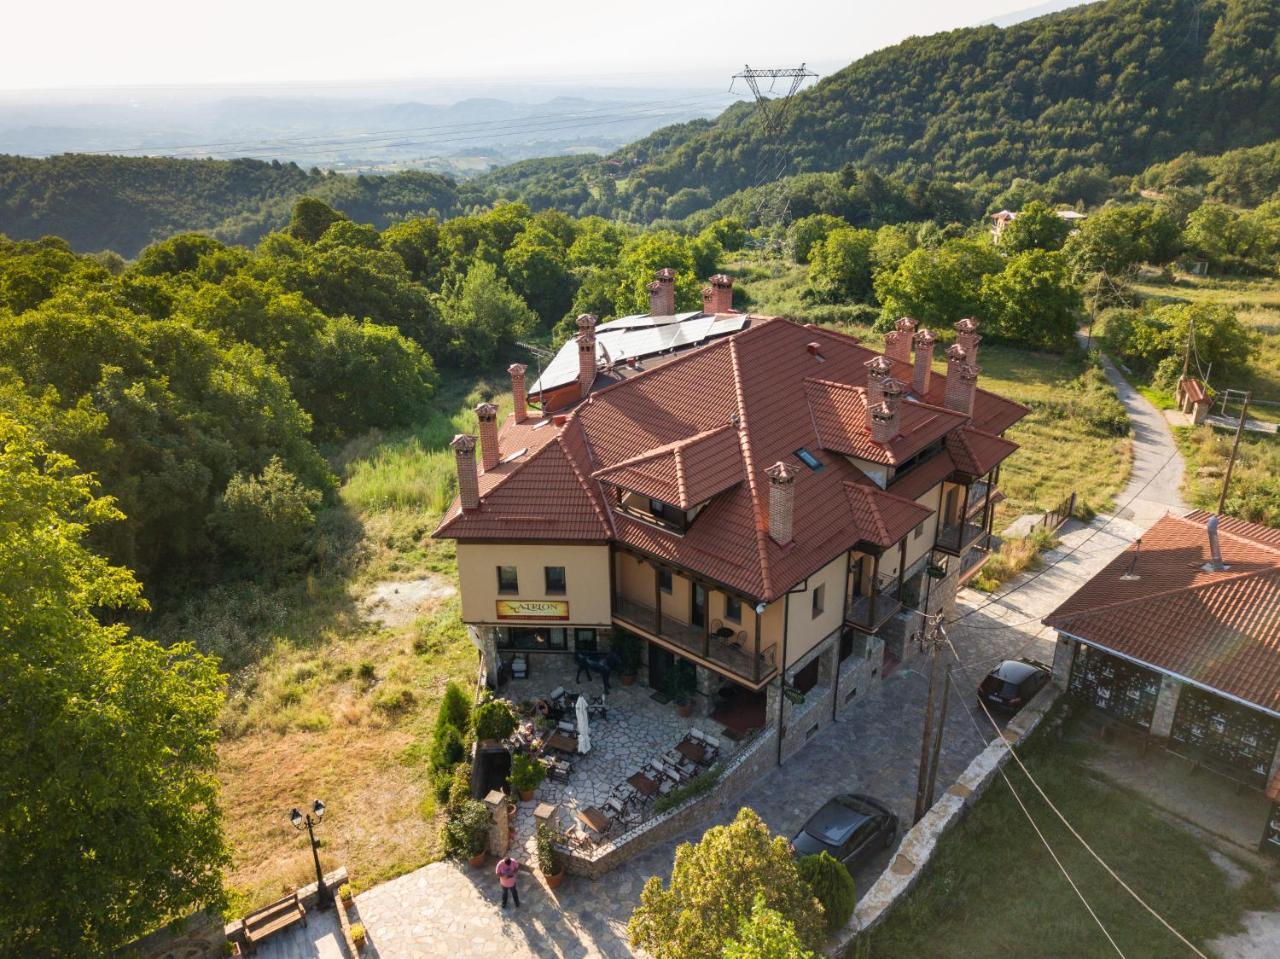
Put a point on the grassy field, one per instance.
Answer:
(993, 890)
(1255, 482)
(1061, 450)
(325, 703)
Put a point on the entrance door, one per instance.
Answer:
(950, 509)
(698, 615)
(661, 663)
(855, 571)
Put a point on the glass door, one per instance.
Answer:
(698, 615)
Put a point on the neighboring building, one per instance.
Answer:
(1002, 219)
(1180, 636)
(1193, 399)
(775, 505)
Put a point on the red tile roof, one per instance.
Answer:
(1218, 629)
(703, 427)
(840, 418)
(977, 453)
(1194, 390)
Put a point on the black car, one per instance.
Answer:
(1011, 685)
(851, 828)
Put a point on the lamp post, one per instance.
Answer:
(309, 821)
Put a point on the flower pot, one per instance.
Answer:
(511, 812)
(553, 882)
(348, 899)
(235, 948)
(684, 709)
(478, 859)
(627, 680)
(526, 794)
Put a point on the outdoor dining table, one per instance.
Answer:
(644, 785)
(594, 819)
(562, 743)
(724, 632)
(694, 752)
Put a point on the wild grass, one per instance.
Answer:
(992, 889)
(1254, 494)
(1013, 557)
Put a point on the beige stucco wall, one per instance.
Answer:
(917, 546)
(586, 571)
(804, 630)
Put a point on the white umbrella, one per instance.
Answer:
(584, 734)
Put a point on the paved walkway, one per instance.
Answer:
(447, 910)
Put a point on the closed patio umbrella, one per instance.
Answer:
(584, 735)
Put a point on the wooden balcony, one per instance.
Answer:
(955, 538)
(868, 613)
(738, 662)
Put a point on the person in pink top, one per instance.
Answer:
(506, 872)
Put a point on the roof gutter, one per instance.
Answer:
(1168, 672)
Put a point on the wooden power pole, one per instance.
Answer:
(1235, 446)
(934, 638)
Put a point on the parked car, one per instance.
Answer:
(1011, 685)
(852, 828)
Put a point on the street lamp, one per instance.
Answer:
(309, 821)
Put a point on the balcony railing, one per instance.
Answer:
(872, 611)
(957, 537)
(727, 656)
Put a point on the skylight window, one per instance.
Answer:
(808, 459)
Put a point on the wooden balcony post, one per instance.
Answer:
(902, 565)
(657, 601)
(875, 589)
(755, 657)
(706, 627)
(986, 510)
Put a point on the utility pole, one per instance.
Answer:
(1235, 446)
(937, 740)
(934, 638)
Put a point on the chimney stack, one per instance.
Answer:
(662, 293)
(878, 370)
(897, 342)
(922, 376)
(782, 497)
(968, 338)
(718, 297)
(1215, 564)
(586, 353)
(884, 418)
(962, 379)
(487, 414)
(464, 452)
(518, 396)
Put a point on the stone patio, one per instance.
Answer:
(638, 729)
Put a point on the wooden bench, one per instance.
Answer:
(279, 915)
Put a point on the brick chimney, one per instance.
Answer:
(721, 295)
(464, 452)
(885, 417)
(487, 414)
(962, 379)
(922, 375)
(518, 395)
(897, 342)
(782, 498)
(662, 293)
(586, 353)
(878, 370)
(968, 338)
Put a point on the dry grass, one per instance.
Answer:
(1014, 556)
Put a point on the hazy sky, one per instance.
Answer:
(88, 43)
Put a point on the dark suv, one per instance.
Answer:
(1011, 685)
(851, 828)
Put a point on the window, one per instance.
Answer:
(584, 641)
(733, 609)
(507, 581)
(808, 459)
(664, 580)
(657, 508)
(918, 531)
(555, 578)
(818, 597)
(534, 638)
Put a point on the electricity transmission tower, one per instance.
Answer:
(772, 205)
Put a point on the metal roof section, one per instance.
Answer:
(637, 337)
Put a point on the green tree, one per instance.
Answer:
(643, 256)
(1037, 227)
(840, 270)
(1032, 302)
(110, 823)
(1120, 237)
(267, 518)
(808, 231)
(537, 270)
(713, 889)
(937, 287)
(485, 316)
(832, 885)
(766, 934)
(311, 218)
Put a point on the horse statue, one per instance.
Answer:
(602, 663)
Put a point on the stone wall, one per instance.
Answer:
(918, 844)
(751, 761)
(198, 936)
(1064, 653)
(308, 895)
(1166, 707)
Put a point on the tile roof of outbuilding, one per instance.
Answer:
(725, 411)
(1219, 629)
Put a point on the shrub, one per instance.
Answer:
(459, 787)
(627, 646)
(455, 709)
(548, 854)
(696, 786)
(267, 518)
(526, 773)
(447, 749)
(393, 700)
(466, 831)
(366, 671)
(833, 886)
(493, 720)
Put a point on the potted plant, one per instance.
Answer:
(359, 936)
(681, 684)
(628, 650)
(549, 863)
(344, 891)
(232, 948)
(466, 832)
(526, 775)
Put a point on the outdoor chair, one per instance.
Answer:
(557, 694)
(740, 640)
(613, 807)
(625, 792)
(716, 626)
(566, 726)
(559, 770)
(665, 787)
(519, 667)
(596, 708)
(575, 837)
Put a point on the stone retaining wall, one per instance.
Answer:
(918, 845)
(307, 895)
(750, 762)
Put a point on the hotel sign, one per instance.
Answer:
(533, 609)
